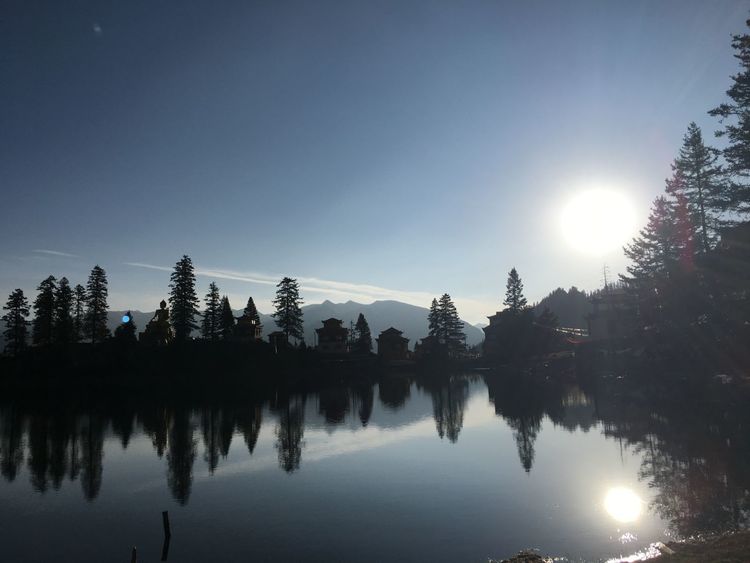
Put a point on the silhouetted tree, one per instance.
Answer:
(703, 185)
(547, 319)
(181, 456)
(735, 117)
(211, 326)
(79, 311)
(183, 299)
(16, 325)
(126, 331)
(451, 328)
(96, 305)
(227, 319)
(43, 326)
(288, 315)
(514, 299)
(362, 336)
(433, 319)
(64, 326)
(251, 311)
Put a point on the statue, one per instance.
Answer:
(158, 330)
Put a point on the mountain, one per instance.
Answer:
(571, 307)
(380, 315)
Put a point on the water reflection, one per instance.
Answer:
(695, 459)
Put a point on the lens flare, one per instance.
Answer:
(598, 221)
(125, 319)
(623, 504)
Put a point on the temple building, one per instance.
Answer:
(392, 346)
(248, 328)
(332, 337)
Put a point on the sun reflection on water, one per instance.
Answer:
(623, 504)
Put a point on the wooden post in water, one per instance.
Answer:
(134, 556)
(165, 521)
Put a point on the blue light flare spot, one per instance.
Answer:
(125, 319)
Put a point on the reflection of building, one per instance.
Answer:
(614, 315)
(332, 338)
(392, 346)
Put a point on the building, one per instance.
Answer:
(392, 346)
(332, 337)
(614, 316)
(248, 328)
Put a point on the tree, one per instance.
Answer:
(96, 305)
(16, 325)
(79, 308)
(450, 326)
(547, 319)
(183, 299)
(363, 338)
(288, 315)
(702, 184)
(211, 325)
(126, 331)
(251, 312)
(433, 319)
(43, 326)
(514, 299)
(735, 117)
(64, 327)
(227, 319)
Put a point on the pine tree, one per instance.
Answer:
(226, 327)
(211, 325)
(656, 249)
(288, 315)
(79, 308)
(547, 319)
(450, 326)
(64, 326)
(514, 299)
(702, 185)
(15, 322)
(126, 331)
(43, 326)
(183, 299)
(95, 326)
(735, 117)
(251, 311)
(363, 338)
(433, 319)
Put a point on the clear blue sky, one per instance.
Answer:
(416, 147)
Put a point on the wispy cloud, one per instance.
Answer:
(55, 253)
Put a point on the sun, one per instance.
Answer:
(598, 221)
(623, 504)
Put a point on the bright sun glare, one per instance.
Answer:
(623, 504)
(598, 221)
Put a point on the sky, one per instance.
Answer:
(373, 150)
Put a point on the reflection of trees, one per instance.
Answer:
(92, 452)
(394, 391)
(211, 426)
(289, 433)
(363, 397)
(249, 421)
(333, 403)
(11, 442)
(38, 459)
(181, 455)
(155, 420)
(449, 397)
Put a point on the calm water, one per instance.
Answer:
(459, 469)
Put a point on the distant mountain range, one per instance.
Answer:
(380, 315)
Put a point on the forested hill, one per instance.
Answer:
(571, 307)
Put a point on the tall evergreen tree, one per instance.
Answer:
(735, 118)
(450, 326)
(211, 326)
(96, 305)
(16, 325)
(433, 319)
(702, 185)
(43, 326)
(363, 337)
(514, 299)
(183, 299)
(79, 311)
(288, 315)
(227, 319)
(64, 326)
(251, 311)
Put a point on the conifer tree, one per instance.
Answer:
(64, 326)
(79, 309)
(211, 326)
(227, 319)
(363, 337)
(43, 326)
(702, 184)
(433, 320)
(95, 326)
(126, 330)
(16, 325)
(183, 300)
(735, 118)
(656, 249)
(251, 311)
(288, 315)
(450, 326)
(548, 319)
(514, 299)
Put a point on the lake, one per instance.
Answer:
(460, 468)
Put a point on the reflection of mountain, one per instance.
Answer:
(380, 315)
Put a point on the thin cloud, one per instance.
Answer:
(55, 253)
